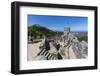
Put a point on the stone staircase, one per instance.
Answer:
(47, 55)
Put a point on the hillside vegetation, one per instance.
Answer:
(37, 30)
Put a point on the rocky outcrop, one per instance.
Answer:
(69, 47)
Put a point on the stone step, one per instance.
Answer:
(48, 55)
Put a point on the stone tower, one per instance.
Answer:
(66, 30)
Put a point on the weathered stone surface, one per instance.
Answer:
(69, 47)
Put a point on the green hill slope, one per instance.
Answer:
(37, 30)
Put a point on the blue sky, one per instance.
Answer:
(58, 23)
